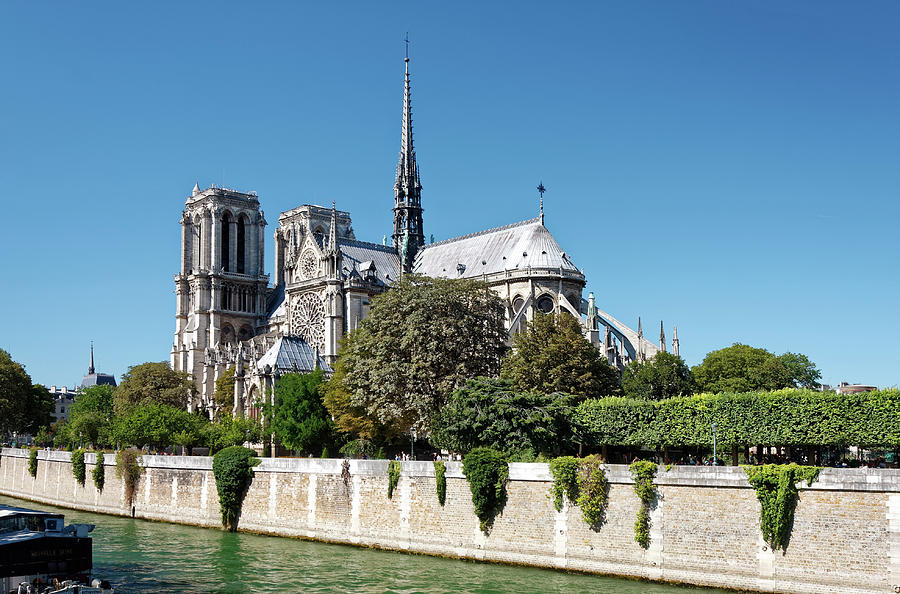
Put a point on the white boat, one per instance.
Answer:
(39, 554)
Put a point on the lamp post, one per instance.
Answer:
(412, 443)
(715, 458)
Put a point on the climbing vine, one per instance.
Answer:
(584, 483)
(776, 490)
(128, 469)
(78, 470)
(565, 480)
(232, 470)
(643, 472)
(440, 479)
(487, 471)
(593, 490)
(32, 462)
(393, 477)
(99, 472)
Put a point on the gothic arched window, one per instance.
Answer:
(545, 304)
(226, 241)
(241, 243)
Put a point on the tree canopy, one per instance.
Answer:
(91, 415)
(552, 355)
(662, 376)
(152, 383)
(492, 413)
(742, 368)
(298, 418)
(224, 394)
(15, 391)
(422, 339)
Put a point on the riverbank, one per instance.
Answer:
(704, 526)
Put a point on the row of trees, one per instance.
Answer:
(25, 407)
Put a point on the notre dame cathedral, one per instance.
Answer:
(229, 314)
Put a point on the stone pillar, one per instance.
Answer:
(209, 223)
(186, 244)
(279, 259)
(261, 246)
(216, 239)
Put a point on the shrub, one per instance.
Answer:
(78, 470)
(393, 477)
(32, 462)
(776, 490)
(643, 472)
(487, 471)
(440, 479)
(231, 468)
(99, 472)
(128, 469)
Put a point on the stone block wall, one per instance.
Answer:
(704, 530)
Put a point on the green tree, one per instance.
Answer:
(663, 376)
(492, 413)
(552, 355)
(15, 391)
(298, 418)
(38, 409)
(802, 371)
(224, 394)
(741, 368)
(422, 339)
(157, 425)
(91, 415)
(152, 383)
(350, 418)
(229, 431)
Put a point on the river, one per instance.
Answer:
(144, 556)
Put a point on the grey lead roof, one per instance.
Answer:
(516, 246)
(292, 353)
(355, 253)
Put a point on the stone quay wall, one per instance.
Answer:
(704, 531)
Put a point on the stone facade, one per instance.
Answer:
(704, 531)
(228, 316)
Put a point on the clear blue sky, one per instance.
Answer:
(732, 168)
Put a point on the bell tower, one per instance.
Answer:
(408, 236)
(221, 287)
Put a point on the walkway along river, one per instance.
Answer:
(144, 556)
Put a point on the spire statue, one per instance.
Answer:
(675, 341)
(662, 337)
(91, 366)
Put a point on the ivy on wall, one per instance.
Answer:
(232, 471)
(583, 482)
(128, 469)
(393, 477)
(440, 480)
(643, 472)
(776, 490)
(99, 472)
(78, 469)
(32, 462)
(487, 471)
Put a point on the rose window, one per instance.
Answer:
(308, 319)
(309, 265)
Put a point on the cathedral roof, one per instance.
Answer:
(98, 379)
(292, 353)
(511, 247)
(357, 255)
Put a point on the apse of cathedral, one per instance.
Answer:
(229, 314)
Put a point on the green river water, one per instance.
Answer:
(143, 556)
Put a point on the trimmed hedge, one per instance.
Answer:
(232, 471)
(783, 417)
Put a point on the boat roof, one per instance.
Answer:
(7, 511)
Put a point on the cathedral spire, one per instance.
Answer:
(91, 367)
(332, 232)
(662, 337)
(407, 188)
(675, 341)
(541, 189)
